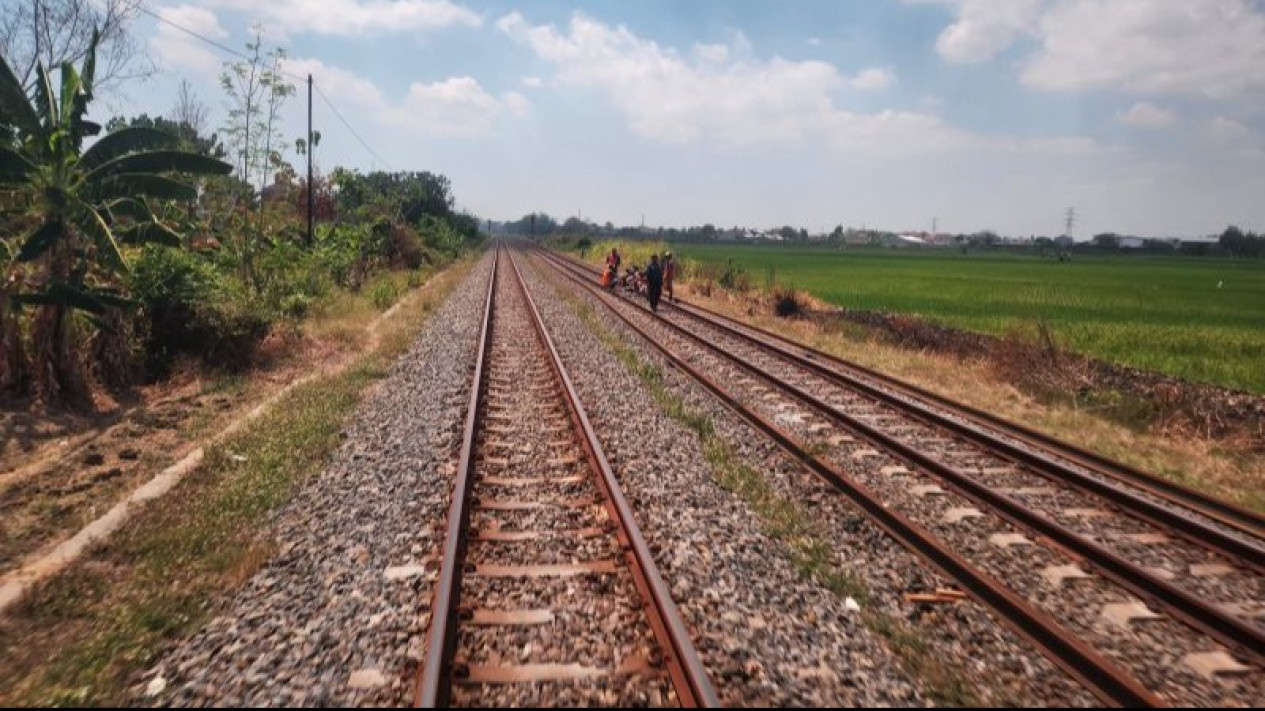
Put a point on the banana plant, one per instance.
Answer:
(83, 203)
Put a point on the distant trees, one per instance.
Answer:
(1242, 244)
(1107, 240)
(190, 137)
(534, 223)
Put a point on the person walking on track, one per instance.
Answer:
(669, 275)
(654, 282)
(612, 261)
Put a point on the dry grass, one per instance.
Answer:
(83, 636)
(1224, 468)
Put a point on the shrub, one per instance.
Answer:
(786, 303)
(285, 270)
(404, 248)
(187, 306)
(384, 291)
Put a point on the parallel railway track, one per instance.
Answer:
(824, 416)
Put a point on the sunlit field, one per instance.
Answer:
(1198, 318)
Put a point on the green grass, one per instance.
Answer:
(83, 636)
(1157, 313)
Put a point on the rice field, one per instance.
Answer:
(1198, 318)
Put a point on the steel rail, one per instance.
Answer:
(1102, 677)
(1194, 610)
(689, 677)
(432, 688)
(1224, 512)
(685, 669)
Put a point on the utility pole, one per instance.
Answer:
(1070, 221)
(934, 222)
(533, 227)
(310, 199)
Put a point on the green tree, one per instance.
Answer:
(78, 207)
(1107, 240)
(257, 90)
(190, 139)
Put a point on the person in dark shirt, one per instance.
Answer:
(654, 282)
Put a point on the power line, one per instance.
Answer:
(333, 108)
(292, 75)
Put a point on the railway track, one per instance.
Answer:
(1045, 454)
(1171, 592)
(547, 594)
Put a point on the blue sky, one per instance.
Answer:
(1147, 116)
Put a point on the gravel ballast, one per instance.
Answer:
(999, 667)
(1153, 650)
(337, 616)
(767, 636)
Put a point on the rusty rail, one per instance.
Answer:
(685, 669)
(1192, 609)
(432, 691)
(689, 678)
(1101, 676)
(855, 377)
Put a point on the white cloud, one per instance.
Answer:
(1224, 129)
(178, 50)
(712, 52)
(983, 28)
(356, 17)
(734, 99)
(338, 83)
(1146, 115)
(515, 102)
(457, 106)
(533, 82)
(872, 79)
(674, 99)
(813, 41)
(1211, 47)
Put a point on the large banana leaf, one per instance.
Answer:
(124, 141)
(150, 233)
(90, 221)
(15, 108)
(90, 64)
(63, 294)
(143, 185)
(71, 87)
(78, 125)
(158, 162)
(45, 100)
(40, 239)
(127, 207)
(15, 169)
